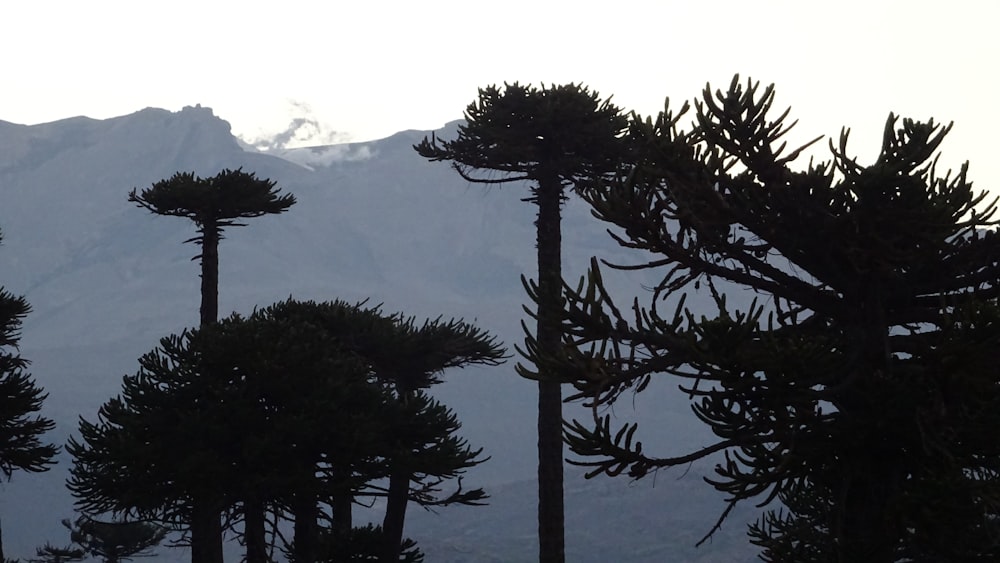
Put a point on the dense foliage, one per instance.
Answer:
(860, 386)
(21, 427)
(296, 407)
(554, 138)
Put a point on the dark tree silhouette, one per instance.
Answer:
(358, 545)
(419, 448)
(214, 204)
(865, 375)
(419, 361)
(21, 427)
(114, 542)
(228, 412)
(158, 450)
(234, 408)
(553, 138)
(51, 554)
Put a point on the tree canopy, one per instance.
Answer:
(214, 204)
(554, 138)
(295, 406)
(860, 386)
(21, 427)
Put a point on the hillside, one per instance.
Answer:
(374, 221)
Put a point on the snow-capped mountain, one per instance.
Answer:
(373, 221)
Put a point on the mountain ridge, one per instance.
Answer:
(107, 279)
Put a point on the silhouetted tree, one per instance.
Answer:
(221, 412)
(553, 138)
(299, 416)
(51, 554)
(419, 447)
(114, 541)
(359, 544)
(214, 204)
(21, 427)
(427, 450)
(862, 386)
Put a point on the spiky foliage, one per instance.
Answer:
(214, 204)
(51, 554)
(21, 427)
(358, 545)
(864, 374)
(221, 414)
(554, 138)
(421, 448)
(114, 541)
(284, 409)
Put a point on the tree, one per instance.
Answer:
(114, 542)
(861, 387)
(156, 449)
(21, 427)
(227, 412)
(298, 418)
(419, 447)
(214, 204)
(360, 544)
(553, 138)
(51, 554)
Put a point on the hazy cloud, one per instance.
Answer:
(303, 130)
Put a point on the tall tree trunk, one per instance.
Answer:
(206, 525)
(209, 272)
(305, 530)
(550, 445)
(866, 527)
(871, 471)
(395, 517)
(343, 503)
(206, 533)
(254, 524)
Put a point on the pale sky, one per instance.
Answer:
(366, 69)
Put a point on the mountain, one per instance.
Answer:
(373, 221)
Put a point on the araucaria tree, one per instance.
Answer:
(21, 427)
(114, 542)
(298, 408)
(214, 204)
(861, 387)
(553, 138)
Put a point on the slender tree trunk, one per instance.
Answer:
(305, 529)
(343, 504)
(254, 524)
(209, 272)
(206, 525)
(550, 445)
(395, 517)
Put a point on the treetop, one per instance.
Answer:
(230, 194)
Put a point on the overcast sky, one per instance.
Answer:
(368, 68)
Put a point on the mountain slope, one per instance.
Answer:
(374, 221)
